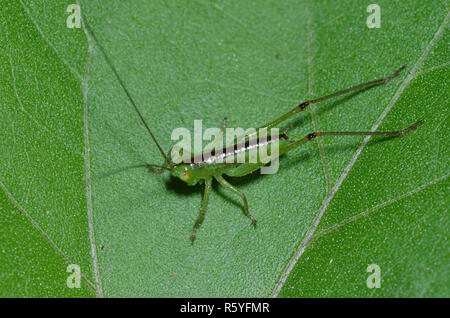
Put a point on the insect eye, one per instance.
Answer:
(184, 175)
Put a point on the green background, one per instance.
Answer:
(335, 206)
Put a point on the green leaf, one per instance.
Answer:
(335, 206)
(43, 198)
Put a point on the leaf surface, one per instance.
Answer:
(335, 206)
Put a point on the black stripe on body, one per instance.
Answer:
(211, 157)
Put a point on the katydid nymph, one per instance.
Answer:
(209, 166)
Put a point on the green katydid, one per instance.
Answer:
(204, 171)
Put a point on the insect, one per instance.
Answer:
(205, 170)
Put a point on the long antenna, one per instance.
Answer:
(150, 167)
(108, 60)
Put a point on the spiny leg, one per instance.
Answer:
(313, 135)
(198, 223)
(304, 105)
(227, 185)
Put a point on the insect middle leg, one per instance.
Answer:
(227, 185)
(201, 217)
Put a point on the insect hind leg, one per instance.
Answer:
(312, 136)
(304, 105)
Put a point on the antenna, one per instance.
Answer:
(150, 167)
(108, 60)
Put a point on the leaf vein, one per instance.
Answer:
(378, 207)
(329, 197)
(89, 208)
(74, 71)
(35, 225)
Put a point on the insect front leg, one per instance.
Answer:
(198, 223)
(227, 185)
